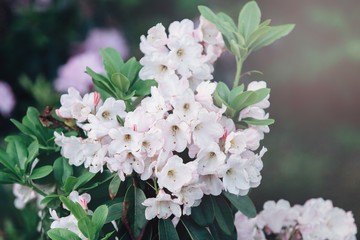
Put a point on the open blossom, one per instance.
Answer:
(163, 206)
(174, 174)
(23, 195)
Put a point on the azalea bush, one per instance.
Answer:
(158, 150)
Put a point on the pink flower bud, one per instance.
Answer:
(225, 133)
(83, 203)
(96, 98)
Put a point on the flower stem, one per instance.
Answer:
(36, 189)
(238, 72)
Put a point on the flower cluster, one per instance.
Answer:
(176, 139)
(316, 219)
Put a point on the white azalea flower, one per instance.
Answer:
(175, 174)
(163, 206)
(210, 159)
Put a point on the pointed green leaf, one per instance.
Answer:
(243, 100)
(84, 178)
(134, 210)
(242, 203)
(70, 183)
(223, 215)
(228, 19)
(41, 172)
(249, 18)
(62, 170)
(111, 60)
(219, 234)
(74, 207)
(6, 178)
(8, 162)
(143, 87)
(195, 231)
(115, 212)
(33, 151)
(235, 92)
(272, 35)
(120, 81)
(257, 34)
(262, 94)
(131, 69)
(167, 230)
(99, 217)
(62, 234)
(114, 186)
(222, 90)
(203, 214)
(87, 227)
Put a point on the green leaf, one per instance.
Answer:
(87, 227)
(257, 34)
(8, 162)
(33, 151)
(258, 122)
(70, 183)
(100, 216)
(235, 92)
(203, 214)
(62, 170)
(243, 100)
(262, 94)
(118, 118)
(272, 35)
(167, 230)
(107, 236)
(249, 18)
(219, 234)
(101, 82)
(112, 61)
(62, 234)
(242, 203)
(223, 215)
(115, 212)
(222, 90)
(24, 129)
(49, 198)
(17, 149)
(74, 207)
(195, 231)
(41, 172)
(228, 19)
(84, 178)
(114, 186)
(143, 87)
(6, 178)
(134, 210)
(131, 69)
(120, 81)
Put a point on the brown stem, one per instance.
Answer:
(125, 220)
(48, 121)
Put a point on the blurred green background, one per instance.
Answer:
(314, 146)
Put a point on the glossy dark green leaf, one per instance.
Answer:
(114, 186)
(167, 230)
(195, 231)
(33, 151)
(70, 184)
(101, 82)
(62, 170)
(272, 35)
(242, 203)
(62, 234)
(107, 236)
(223, 215)
(49, 198)
(219, 234)
(134, 210)
(249, 18)
(17, 149)
(203, 214)
(74, 207)
(115, 212)
(99, 217)
(8, 162)
(41, 172)
(84, 178)
(87, 228)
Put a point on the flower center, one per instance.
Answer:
(163, 68)
(127, 137)
(186, 106)
(212, 155)
(180, 52)
(106, 114)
